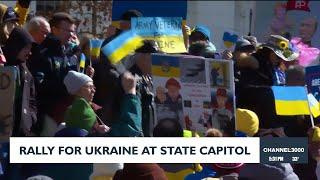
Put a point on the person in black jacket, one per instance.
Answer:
(54, 65)
(259, 72)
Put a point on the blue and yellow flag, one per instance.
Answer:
(291, 100)
(166, 31)
(121, 46)
(95, 46)
(314, 105)
(82, 62)
(165, 66)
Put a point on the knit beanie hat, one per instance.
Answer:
(314, 142)
(316, 134)
(10, 15)
(40, 177)
(203, 29)
(75, 80)
(247, 122)
(80, 115)
(140, 171)
(227, 168)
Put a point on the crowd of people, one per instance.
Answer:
(53, 98)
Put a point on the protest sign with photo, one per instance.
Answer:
(197, 91)
(166, 31)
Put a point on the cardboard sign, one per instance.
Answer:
(166, 31)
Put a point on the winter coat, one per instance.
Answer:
(129, 123)
(279, 171)
(25, 96)
(54, 66)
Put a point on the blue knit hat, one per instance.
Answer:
(203, 30)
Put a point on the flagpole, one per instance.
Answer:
(310, 113)
(90, 47)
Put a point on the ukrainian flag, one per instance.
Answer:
(82, 62)
(314, 105)
(291, 100)
(95, 46)
(121, 46)
(165, 66)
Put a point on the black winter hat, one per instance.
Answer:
(10, 15)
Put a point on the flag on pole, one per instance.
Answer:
(82, 62)
(121, 46)
(291, 100)
(95, 46)
(314, 105)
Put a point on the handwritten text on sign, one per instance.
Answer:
(166, 31)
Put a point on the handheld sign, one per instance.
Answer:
(185, 89)
(166, 31)
(313, 80)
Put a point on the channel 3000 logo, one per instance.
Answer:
(284, 150)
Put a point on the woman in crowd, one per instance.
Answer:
(80, 116)
(17, 50)
(259, 71)
(8, 22)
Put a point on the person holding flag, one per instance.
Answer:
(259, 71)
(106, 78)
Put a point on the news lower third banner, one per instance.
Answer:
(157, 150)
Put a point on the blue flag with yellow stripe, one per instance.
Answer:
(95, 46)
(121, 46)
(291, 100)
(165, 66)
(82, 63)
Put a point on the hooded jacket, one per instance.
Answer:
(25, 96)
(18, 39)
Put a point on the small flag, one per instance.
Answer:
(121, 46)
(314, 105)
(95, 47)
(229, 39)
(291, 100)
(82, 62)
(301, 5)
